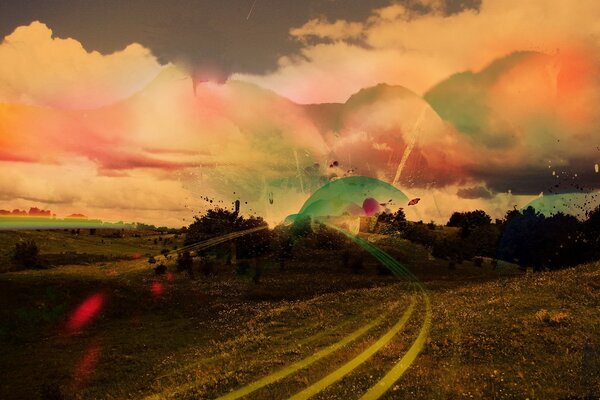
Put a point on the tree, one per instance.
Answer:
(419, 233)
(219, 222)
(282, 244)
(468, 221)
(27, 255)
(185, 262)
(392, 223)
(328, 239)
(255, 244)
(482, 241)
(301, 228)
(521, 238)
(591, 233)
(216, 222)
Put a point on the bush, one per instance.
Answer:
(383, 270)
(357, 264)
(242, 268)
(419, 233)
(346, 258)
(151, 260)
(185, 262)
(257, 272)
(160, 269)
(326, 238)
(27, 255)
(388, 223)
(207, 266)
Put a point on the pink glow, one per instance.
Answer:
(87, 363)
(85, 312)
(371, 206)
(157, 289)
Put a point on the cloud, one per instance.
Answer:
(476, 192)
(528, 120)
(75, 186)
(322, 29)
(417, 50)
(40, 69)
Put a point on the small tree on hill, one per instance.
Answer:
(185, 262)
(392, 223)
(468, 221)
(27, 255)
(282, 244)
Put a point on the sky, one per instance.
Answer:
(148, 111)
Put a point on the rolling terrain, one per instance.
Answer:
(313, 328)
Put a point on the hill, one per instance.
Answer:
(509, 334)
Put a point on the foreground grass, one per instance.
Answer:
(494, 335)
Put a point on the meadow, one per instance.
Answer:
(495, 332)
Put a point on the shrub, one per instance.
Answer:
(151, 260)
(419, 233)
(207, 266)
(160, 269)
(185, 262)
(27, 255)
(257, 272)
(243, 266)
(383, 270)
(494, 263)
(346, 258)
(357, 264)
(326, 238)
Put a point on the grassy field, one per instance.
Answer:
(61, 247)
(494, 333)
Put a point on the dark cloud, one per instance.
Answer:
(578, 176)
(477, 192)
(446, 7)
(207, 33)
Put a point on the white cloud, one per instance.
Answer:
(40, 69)
(417, 52)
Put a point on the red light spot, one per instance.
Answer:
(85, 312)
(87, 363)
(170, 277)
(157, 289)
(136, 256)
(370, 206)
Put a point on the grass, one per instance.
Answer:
(61, 247)
(494, 333)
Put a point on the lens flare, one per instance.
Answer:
(85, 312)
